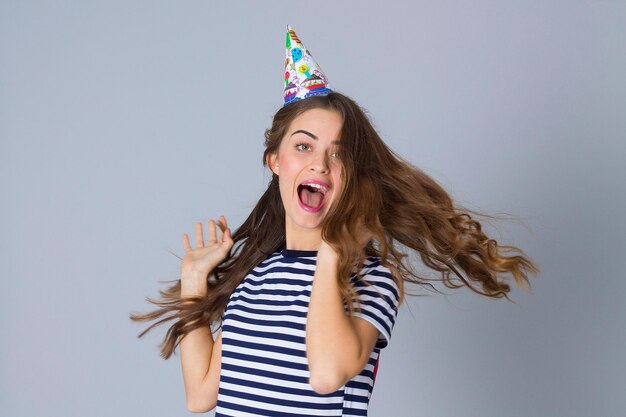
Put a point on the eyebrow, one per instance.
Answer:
(311, 135)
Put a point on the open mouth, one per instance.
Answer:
(311, 197)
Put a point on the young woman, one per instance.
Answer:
(304, 295)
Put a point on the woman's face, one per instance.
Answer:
(308, 154)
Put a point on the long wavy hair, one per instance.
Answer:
(405, 210)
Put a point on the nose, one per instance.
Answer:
(320, 164)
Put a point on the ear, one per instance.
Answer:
(272, 162)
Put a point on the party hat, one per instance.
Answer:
(303, 76)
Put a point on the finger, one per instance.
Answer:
(212, 236)
(222, 223)
(228, 236)
(199, 236)
(223, 227)
(186, 244)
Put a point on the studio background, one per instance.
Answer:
(123, 123)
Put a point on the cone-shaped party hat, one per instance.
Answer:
(303, 76)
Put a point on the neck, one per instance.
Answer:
(302, 244)
(302, 239)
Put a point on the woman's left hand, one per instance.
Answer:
(364, 235)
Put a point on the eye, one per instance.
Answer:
(301, 144)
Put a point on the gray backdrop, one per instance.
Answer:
(123, 123)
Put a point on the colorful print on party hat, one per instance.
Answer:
(303, 76)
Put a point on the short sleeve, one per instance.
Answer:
(379, 298)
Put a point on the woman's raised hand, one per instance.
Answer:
(203, 259)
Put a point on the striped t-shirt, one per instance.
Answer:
(264, 365)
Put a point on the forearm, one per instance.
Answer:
(195, 356)
(332, 343)
(196, 348)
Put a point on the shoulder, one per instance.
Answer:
(377, 296)
(374, 275)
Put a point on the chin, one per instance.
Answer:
(309, 223)
(307, 220)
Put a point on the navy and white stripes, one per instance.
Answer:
(264, 365)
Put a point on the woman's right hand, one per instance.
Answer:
(199, 262)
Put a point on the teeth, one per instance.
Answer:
(318, 186)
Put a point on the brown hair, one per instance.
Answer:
(404, 208)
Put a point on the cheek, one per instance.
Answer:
(289, 169)
(285, 196)
(338, 177)
(284, 186)
(286, 181)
